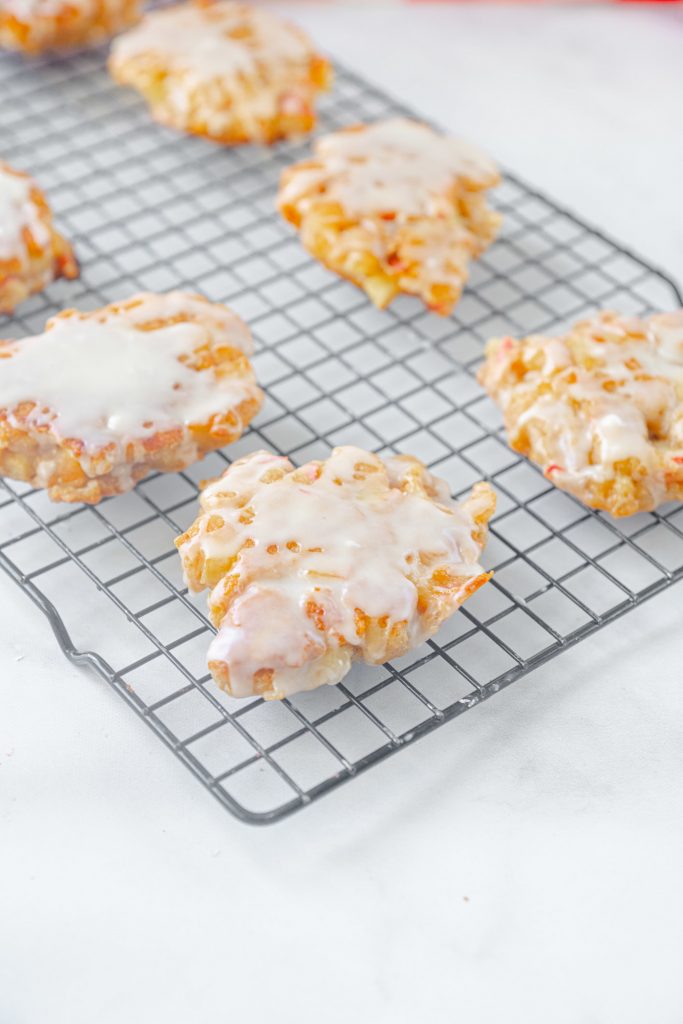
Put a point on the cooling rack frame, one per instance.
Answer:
(544, 270)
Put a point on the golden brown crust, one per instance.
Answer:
(387, 251)
(600, 408)
(310, 568)
(65, 24)
(46, 463)
(73, 471)
(40, 254)
(273, 99)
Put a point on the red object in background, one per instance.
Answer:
(529, 3)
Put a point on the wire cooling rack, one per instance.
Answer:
(150, 209)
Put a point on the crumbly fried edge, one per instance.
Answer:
(71, 27)
(439, 594)
(21, 277)
(506, 377)
(34, 455)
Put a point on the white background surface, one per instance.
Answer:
(522, 864)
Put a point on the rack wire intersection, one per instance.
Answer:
(150, 209)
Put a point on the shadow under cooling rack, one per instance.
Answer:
(148, 209)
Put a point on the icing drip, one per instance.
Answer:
(104, 379)
(392, 166)
(17, 212)
(646, 365)
(318, 550)
(224, 41)
(604, 399)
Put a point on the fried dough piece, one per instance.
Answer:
(310, 568)
(32, 253)
(600, 408)
(100, 399)
(231, 72)
(34, 26)
(394, 207)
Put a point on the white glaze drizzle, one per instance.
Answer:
(353, 538)
(18, 211)
(641, 361)
(197, 40)
(98, 377)
(394, 166)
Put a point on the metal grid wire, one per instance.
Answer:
(150, 209)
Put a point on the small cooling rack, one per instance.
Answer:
(150, 209)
